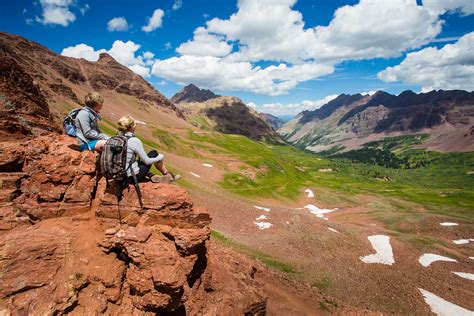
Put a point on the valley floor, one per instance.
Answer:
(322, 252)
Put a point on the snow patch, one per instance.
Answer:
(263, 225)
(442, 307)
(384, 252)
(261, 218)
(463, 241)
(196, 175)
(310, 193)
(469, 276)
(266, 209)
(472, 258)
(333, 230)
(140, 122)
(448, 224)
(207, 165)
(428, 258)
(319, 212)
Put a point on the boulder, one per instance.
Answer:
(46, 178)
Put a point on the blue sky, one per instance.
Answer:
(282, 56)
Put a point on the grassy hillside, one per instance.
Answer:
(390, 168)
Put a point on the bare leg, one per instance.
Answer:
(100, 145)
(161, 166)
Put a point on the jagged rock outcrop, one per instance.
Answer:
(192, 93)
(62, 250)
(352, 120)
(34, 75)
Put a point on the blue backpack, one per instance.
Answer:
(68, 123)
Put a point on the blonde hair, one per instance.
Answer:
(126, 123)
(93, 98)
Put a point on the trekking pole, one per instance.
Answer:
(118, 211)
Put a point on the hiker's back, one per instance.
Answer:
(113, 160)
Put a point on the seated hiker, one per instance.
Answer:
(88, 133)
(141, 168)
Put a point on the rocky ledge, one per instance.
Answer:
(63, 250)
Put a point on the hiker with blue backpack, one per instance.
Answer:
(83, 123)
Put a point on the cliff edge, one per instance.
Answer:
(62, 249)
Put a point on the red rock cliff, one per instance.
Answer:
(62, 249)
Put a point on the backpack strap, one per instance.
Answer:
(135, 184)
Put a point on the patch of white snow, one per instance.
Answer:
(196, 175)
(333, 230)
(319, 212)
(442, 307)
(384, 252)
(469, 276)
(261, 218)
(263, 225)
(463, 241)
(428, 258)
(310, 193)
(140, 122)
(448, 224)
(266, 209)
(207, 165)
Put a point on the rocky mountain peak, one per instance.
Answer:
(192, 93)
(329, 108)
(105, 58)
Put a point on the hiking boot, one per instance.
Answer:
(167, 178)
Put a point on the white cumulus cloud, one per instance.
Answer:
(205, 44)
(218, 74)
(280, 109)
(56, 12)
(466, 7)
(450, 67)
(117, 24)
(82, 51)
(374, 28)
(271, 30)
(124, 52)
(154, 22)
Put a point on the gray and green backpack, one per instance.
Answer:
(113, 166)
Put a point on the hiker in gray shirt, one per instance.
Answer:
(88, 134)
(141, 168)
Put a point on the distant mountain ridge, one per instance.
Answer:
(351, 120)
(225, 114)
(273, 121)
(192, 93)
